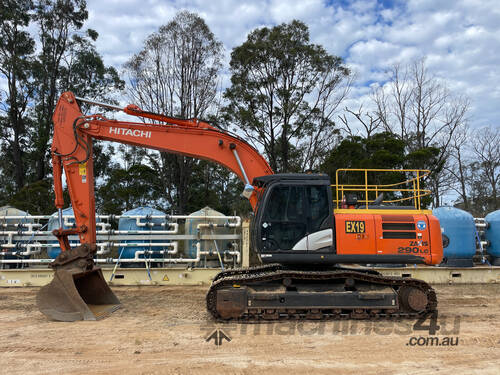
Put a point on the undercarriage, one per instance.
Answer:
(275, 292)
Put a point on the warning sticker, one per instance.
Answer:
(82, 169)
(165, 278)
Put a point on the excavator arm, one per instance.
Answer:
(72, 152)
(78, 290)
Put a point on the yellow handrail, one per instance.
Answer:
(416, 192)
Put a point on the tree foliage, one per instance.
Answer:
(418, 107)
(65, 59)
(475, 166)
(284, 92)
(16, 49)
(379, 151)
(37, 198)
(56, 21)
(176, 73)
(284, 96)
(129, 188)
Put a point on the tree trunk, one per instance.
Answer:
(462, 181)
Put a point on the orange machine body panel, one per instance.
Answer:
(389, 232)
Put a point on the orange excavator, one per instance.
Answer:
(298, 236)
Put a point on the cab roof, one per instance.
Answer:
(265, 180)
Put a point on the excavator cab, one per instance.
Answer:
(294, 215)
(295, 225)
(78, 290)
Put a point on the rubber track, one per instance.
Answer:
(269, 273)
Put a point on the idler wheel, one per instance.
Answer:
(413, 298)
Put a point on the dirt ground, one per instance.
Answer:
(163, 330)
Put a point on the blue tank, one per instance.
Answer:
(130, 224)
(459, 236)
(54, 251)
(492, 235)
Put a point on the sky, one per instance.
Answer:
(459, 39)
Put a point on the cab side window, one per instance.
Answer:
(317, 199)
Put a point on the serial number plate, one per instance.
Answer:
(355, 226)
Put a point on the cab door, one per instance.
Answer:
(284, 221)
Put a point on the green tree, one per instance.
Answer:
(84, 71)
(129, 188)
(176, 73)
(56, 20)
(66, 59)
(16, 49)
(37, 198)
(283, 95)
(379, 151)
(485, 167)
(217, 187)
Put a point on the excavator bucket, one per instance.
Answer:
(77, 296)
(78, 290)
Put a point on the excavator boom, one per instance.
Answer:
(78, 290)
(72, 151)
